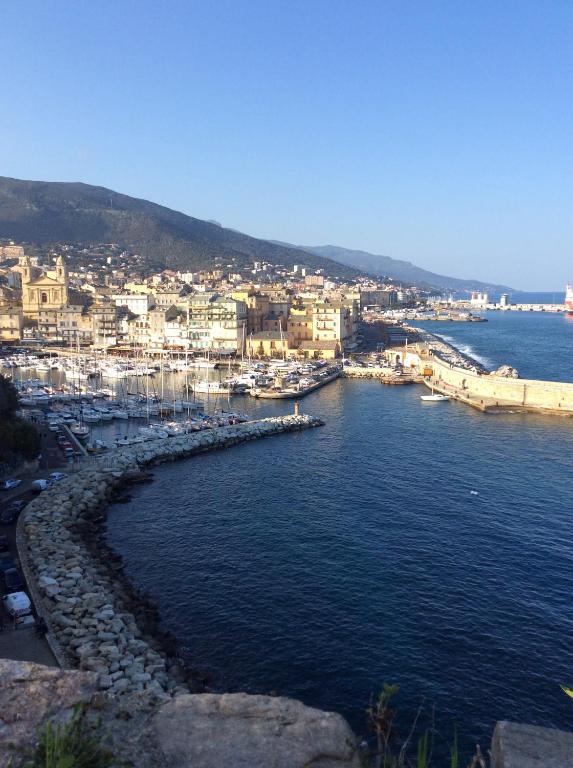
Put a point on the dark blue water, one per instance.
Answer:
(320, 565)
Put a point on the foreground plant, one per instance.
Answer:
(70, 746)
(391, 752)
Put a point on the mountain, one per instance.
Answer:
(402, 271)
(45, 213)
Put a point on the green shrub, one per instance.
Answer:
(70, 746)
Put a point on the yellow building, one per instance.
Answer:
(299, 325)
(47, 292)
(267, 344)
(335, 321)
(11, 323)
(257, 308)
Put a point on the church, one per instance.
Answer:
(47, 292)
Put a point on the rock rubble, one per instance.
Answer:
(78, 598)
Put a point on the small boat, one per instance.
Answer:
(79, 430)
(434, 398)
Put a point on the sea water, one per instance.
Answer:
(423, 544)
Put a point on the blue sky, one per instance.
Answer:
(438, 132)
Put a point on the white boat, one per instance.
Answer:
(434, 398)
(79, 430)
(91, 417)
(212, 387)
(203, 362)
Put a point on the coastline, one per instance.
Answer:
(97, 619)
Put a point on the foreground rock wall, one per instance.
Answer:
(190, 731)
(90, 623)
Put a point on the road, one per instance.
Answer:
(23, 643)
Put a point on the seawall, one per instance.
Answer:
(89, 619)
(491, 392)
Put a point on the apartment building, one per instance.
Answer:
(11, 323)
(104, 325)
(137, 303)
(68, 325)
(335, 321)
(217, 323)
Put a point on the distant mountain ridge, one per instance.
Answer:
(402, 271)
(47, 213)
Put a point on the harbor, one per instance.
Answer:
(147, 398)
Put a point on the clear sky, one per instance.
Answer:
(435, 131)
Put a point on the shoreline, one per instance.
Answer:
(98, 620)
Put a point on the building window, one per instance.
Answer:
(44, 297)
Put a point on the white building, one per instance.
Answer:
(479, 299)
(137, 303)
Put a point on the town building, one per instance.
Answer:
(46, 292)
(137, 303)
(11, 323)
(335, 321)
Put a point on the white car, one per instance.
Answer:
(17, 604)
(57, 476)
(40, 485)
(7, 485)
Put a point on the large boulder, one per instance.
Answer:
(200, 730)
(515, 745)
(210, 730)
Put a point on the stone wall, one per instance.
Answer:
(525, 393)
(90, 624)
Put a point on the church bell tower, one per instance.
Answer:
(62, 277)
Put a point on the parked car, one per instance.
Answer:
(57, 476)
(4, 544)
(18, 606)
(13, 581)
(40, 485)
(7, 485)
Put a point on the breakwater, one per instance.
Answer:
(90, 618)
(462, 378)
(489, 392)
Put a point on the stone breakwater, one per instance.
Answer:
(448, 353)
(89, 621)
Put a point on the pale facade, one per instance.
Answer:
(267, 344)
(335, 321)
(137, 303)
(104, 325)
(11, 323)
(300, 326)
(68, 325)
(216, 323)
(45, 292)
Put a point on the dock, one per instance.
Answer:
(292, 394)
(73, 439)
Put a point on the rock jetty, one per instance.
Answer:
(90, 626)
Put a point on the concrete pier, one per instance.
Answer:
(491, 393)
